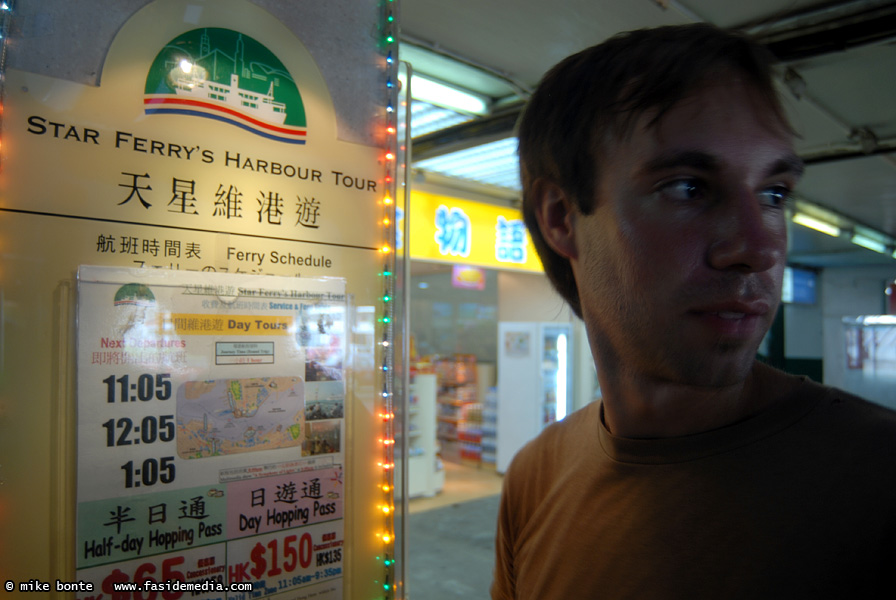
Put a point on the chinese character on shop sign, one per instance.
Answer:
(453, 231)
(510, 240)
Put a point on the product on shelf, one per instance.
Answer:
(459, 413)
(489, 428)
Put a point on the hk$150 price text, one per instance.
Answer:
(293, 560)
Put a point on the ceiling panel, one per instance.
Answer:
(858, 86)
(525, 38)
(864, 189)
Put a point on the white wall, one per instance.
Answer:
(803, 330)
(530, 297)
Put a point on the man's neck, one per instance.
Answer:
(638, 407)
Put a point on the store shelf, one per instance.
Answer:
(488, 442)
(426, 476)
(457, 393)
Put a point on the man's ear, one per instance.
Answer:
(556, 216)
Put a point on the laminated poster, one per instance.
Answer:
(211, 434)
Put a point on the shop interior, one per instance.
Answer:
(452, 423)
(462, 330)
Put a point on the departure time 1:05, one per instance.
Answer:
(145, 388)
(150, 472)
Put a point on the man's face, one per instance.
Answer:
(679, 267)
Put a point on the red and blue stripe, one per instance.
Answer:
(178, 105)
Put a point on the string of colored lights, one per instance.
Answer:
(387, 412)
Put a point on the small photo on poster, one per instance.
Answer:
(324, 400)
(321, 332)
(323, 364)
(322, 437)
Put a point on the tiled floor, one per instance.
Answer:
(451, 537)
(462, 483)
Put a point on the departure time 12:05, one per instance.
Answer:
(147, 431)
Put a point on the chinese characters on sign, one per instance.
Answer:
(455, 229)
(191, 189)
(510, 241)
(108, 243)
(225, 202)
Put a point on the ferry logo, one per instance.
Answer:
(226, 76)
(134, 294)
(135, 314)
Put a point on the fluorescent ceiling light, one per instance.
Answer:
(426, 118)
(816, 224)
(560, 410)
(874, 234)
(494, 163)
(867, 242)
(446, 96)
(872, 239)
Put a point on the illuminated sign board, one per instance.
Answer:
(446, 229)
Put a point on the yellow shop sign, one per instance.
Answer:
(447, 229)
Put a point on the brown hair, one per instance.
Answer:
(600, 92)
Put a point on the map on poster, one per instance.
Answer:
(210, 432)
(229, 416)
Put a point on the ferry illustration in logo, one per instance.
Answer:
(247, 86)
(134, 313)
(134, 294)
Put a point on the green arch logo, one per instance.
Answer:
(223, 75)
(135, 294)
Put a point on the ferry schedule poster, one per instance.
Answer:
(211, 434)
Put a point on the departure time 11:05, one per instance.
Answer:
(145, 387)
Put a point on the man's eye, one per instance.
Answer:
(776, 195)
(683, 190)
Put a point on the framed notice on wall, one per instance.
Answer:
(210, 433)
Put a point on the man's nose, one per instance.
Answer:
(750, 236)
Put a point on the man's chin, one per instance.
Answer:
(715, 371)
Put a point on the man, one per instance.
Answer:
(656, 169)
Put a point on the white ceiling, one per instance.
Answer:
(844, 51)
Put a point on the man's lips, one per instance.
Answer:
(730, 315)
(739, 319)
(734, 309)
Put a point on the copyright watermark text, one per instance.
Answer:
(36, 585)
